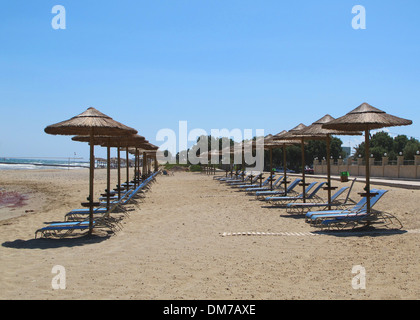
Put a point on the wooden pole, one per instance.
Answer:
(243, 163)
(271, 168)
(127, 167)
(135, 168)
(367, 188)
(303, 169)
(108, 173)
(156, 162)
(91, 177)
(119, 172)
(329, 170)
(284, 169)
(144, 164)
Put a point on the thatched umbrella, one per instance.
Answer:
(272, 142)
(290, 135)
(232, 151)
(315, 131)
(148, 149)
(108, 142)
(365, 118)
(92, 123)
(208, 155)
(119, 143)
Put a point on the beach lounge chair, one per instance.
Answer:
(298, 207)
(286, 199)
(265, 185)
(247, 177)
(316, 217)
(251, 182)
(353, 219)
(290, 189)
(229, 176)
(256, 184)
(77, 214)
(114, 194)
(63, 229)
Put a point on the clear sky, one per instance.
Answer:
(268, 64)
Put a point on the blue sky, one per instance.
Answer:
(267, 64)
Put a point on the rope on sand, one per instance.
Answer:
(337, 233)
(299, 234)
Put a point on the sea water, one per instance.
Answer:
(38, 164)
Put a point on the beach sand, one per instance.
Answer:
(171, 245)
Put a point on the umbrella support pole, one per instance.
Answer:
(284, 170)
(91, 177)
(271, 168)
(329, 170)
(303, 170)
(367, 164)
(108, 174)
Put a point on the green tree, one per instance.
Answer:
(411, 148)
(399, 144)
(382, 142)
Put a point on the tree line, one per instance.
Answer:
(381, 144)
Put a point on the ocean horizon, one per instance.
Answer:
(39, 164)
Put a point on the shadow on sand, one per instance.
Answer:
(361, 232)
(42, 243)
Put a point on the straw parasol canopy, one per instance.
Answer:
(290, 136)
(272, 142)
(90, 122)
(120, 143)
(83, 124)
(315, 131)
(108, 142)
(365, 118)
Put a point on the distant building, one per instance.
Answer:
(347, 151)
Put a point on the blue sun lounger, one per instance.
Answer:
(265, 185)
(62, 229)
(125, 198)
(353, 219)
(252, 182)
(299, 197)
(255, 182)
(317, 217)
(300, 207)
(236, 178)
(237, 182)
(263, 194)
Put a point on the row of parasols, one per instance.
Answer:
(96, 128)
(357, 122)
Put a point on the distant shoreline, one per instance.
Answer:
(45, 165)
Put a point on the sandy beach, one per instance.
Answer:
(171, 245)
